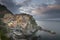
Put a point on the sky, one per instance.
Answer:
(43, 9)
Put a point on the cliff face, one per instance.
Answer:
(3, 30)
(20, 22)
(3, 10)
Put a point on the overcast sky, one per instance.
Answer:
(40, 9)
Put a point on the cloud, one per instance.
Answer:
(7, 2)
(47, 12)
(57, 2)
(41, 10)
(22, 2)
(14, 5)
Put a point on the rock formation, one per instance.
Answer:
(3, 29)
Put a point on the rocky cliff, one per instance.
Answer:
(3, 30)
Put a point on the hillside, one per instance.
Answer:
(3, 10)
(3, 30)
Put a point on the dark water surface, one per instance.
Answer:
(50, 25)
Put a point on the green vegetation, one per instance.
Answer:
(3, 29)
(2, 8)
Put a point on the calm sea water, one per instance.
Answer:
(50, 25)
